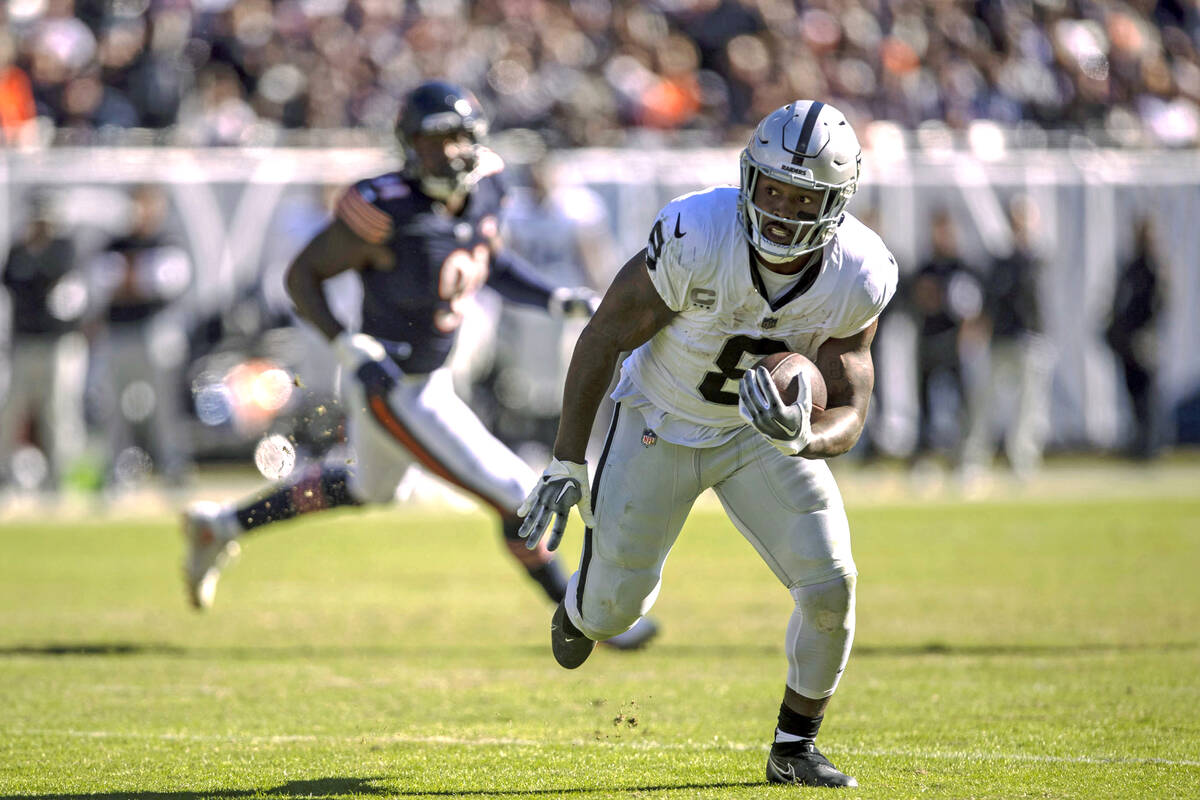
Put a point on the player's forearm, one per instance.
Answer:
(834, 431)
(588, 377)
(518, 281)
(306, 292)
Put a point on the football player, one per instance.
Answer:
(423, 241)
(729, 275)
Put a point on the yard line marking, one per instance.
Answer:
(492, 741)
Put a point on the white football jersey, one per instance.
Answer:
(685, 379)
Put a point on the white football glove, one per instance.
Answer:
(364, 357)
(788, 427)
(567, 303)
(562, 485)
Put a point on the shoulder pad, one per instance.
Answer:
(356, 207)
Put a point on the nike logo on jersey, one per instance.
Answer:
(678, 233)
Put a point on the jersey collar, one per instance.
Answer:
(807, 278)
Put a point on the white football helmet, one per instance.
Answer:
(808, 144)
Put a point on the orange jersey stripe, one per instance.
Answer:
(366, 220)
(384, 416)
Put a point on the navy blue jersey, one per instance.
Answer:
(441, 260)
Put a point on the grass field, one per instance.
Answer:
(1044, 648)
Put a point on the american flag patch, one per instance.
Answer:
(649, 438)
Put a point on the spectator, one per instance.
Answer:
(218, 113)
(17, 108)
(1018, 355)
(143, 346)
(943, 296)
(50, 299)
(1132, 334)
(564, 232)
(583, 73)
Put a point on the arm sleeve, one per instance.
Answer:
(518, 281)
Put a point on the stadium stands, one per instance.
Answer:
(596, 72)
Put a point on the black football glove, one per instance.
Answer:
(580, 303)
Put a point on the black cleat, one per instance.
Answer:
(636, 637)
(803, 764)
(571, 648)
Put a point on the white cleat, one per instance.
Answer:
(209, 531)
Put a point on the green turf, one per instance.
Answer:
(1004, 650)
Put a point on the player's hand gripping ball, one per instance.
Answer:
(777, 397)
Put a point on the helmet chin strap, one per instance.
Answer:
(443, 187)
(439, 188)
(772, 258)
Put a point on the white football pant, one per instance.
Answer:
(425, 422)
(789, 509)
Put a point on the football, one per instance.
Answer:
(784, 367)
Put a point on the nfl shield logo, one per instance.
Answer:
(649, 438)
(770, 322)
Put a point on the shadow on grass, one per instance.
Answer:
(92, 649)
(319, 788)
(862, 650)
(423, 652)
(583, 791)
(340, 787)
(1050, 650)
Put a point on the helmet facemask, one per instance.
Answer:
(441, 174)
(826, 163)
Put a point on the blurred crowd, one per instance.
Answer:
(110, 377)
(597, 72)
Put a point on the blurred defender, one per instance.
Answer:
(730, 275)
(423, 240)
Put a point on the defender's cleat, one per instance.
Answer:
(209, 536)
(636, 637)
(570, 649)
(802, 763)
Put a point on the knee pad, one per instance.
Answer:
(605, 612)
(819, 636)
